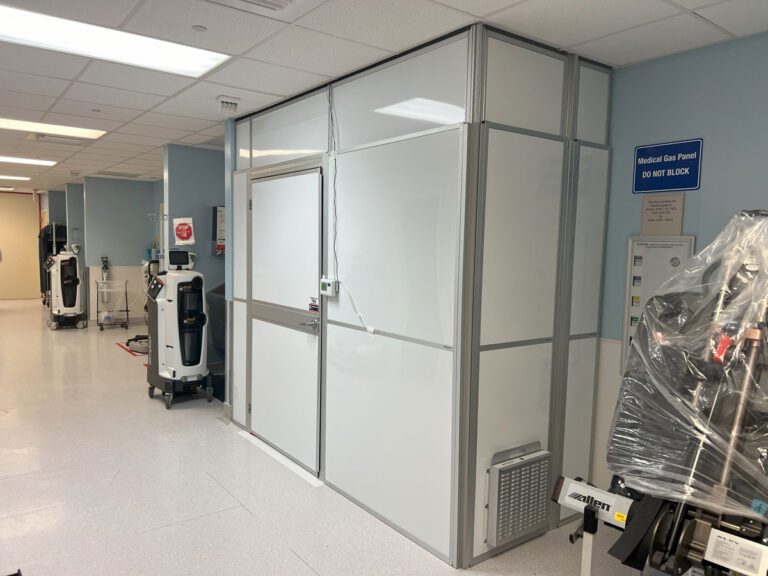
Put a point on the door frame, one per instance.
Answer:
(276, 314)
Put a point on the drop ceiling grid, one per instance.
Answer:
(143, 110)
(142, 102)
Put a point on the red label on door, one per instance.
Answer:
(183, 231)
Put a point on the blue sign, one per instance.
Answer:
(668, 167)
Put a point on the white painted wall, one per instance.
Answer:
(608, 383)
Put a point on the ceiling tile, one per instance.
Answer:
(158, 152)
(141, 161)
(134, 139)
(392, 25)
(215, 130)
(193, 109)
(132, 78)
(81, 121)
(38, 61)
(86, 156)
(129, 168)
(21, 113)
(668, 36)
(565, 22)
(294, 10)
(102, 144)
(216, 141)
(264, 77)
(153, 131)
(204, 94)
(740, 17)
(82, 165)
(229, 31)
(8, 137)
(170, 121)
(314, 51)
(112, 96)
(479, 7)
(195, 139)
(101, 111)
(47, 148)
(110, 13)
(20, 100)
(19, 82)
(693, 4)
(21, 170)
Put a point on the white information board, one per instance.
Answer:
(652, 260)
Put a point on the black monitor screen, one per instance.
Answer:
(178, 258)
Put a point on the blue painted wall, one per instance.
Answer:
(57, 207)
(76, 227)
(117, 222)
(194, 184)
(75, 208)
(716, 93)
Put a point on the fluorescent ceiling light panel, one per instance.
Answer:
(6, 189)
(426, 110)
(33, 161)
(24, 126)
(260, 153)
(14, 178)
(51, 33)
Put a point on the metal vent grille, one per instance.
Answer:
(255, 5)
(518, 499)
(111, 174)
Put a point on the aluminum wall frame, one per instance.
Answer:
(469, 282)
(470, 347)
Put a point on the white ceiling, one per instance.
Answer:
(277, 54)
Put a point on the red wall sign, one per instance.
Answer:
(183, 231)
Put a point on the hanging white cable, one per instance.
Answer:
(335, 241)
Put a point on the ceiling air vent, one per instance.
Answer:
(74, 173)
(227, 104)
(255, 6)
(107, 174)
(53, 139)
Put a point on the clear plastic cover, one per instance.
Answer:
(691, 422)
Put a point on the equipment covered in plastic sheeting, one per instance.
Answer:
(691, 422)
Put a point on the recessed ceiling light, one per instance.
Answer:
(33, 161)
(24, 126)
(52, 33)
(199, 28)
(14, 178)
(6, 189)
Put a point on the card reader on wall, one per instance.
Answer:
(329, 287)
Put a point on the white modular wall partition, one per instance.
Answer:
(462, 214)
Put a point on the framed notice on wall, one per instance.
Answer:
(651, 261)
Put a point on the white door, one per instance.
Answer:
(285, 316)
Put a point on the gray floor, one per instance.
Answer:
(96, 478)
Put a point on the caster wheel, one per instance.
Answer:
(101, 328)
(54, 326)
(209, 394)
(168, 401)
(151, 391)
(82, 324)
